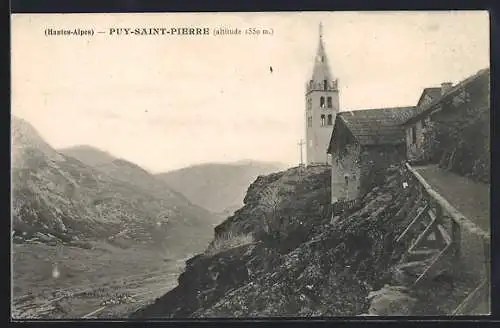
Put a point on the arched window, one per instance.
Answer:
(325, 85)
(329, 102)
(330, 119)
(309, 121)
(323, 120)
(346, 180)
(322, 102)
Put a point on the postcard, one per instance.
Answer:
(250, 165)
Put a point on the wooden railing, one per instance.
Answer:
(341, 206)
(445, 251)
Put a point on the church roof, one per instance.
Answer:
(321, 70)
(373, 127)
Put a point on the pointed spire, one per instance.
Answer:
(321, 69)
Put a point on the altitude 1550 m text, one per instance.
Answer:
(259, 31)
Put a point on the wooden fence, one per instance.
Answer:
(446, 241)
(341, 206)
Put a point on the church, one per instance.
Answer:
(322, 106)
(354, 143)
(359, 144)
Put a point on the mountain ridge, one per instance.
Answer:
(59, 196)
(218, 187)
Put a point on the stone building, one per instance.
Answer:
(362, 143)
(415, 128)
(447, 107)
(322, 106)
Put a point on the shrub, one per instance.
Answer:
(271, 204)
(228, 240)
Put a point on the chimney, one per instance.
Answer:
(445, 86)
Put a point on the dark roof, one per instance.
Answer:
(423, 110)
(371, 127)
(433, 93)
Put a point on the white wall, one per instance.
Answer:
(316, 153)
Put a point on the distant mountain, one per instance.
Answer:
(122, 170)
(218, 187)
(59, 196)
(88, 155)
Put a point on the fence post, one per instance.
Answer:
(439, 211)
(456, 238)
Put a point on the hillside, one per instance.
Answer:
(58, 198)
(125, 171)
(220, 188)
(282, 254)
(88, 155)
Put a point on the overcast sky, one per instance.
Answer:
(172, 101)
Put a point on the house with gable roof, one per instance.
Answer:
(362, 143)
(414, 132)
(453, 108)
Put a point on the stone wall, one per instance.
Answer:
(346, 165)
(361, 167)
(464, 142)
(472, 262)
(474, 254)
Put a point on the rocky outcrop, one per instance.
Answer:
(207, 279)
(312, 267)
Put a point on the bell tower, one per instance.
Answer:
(322, 106)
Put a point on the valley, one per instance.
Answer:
(97, 236)
(93, 235)
(105, 282)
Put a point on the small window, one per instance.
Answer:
(309, 121)
(322, 120)
(322, 102)
(424, 123)
(330, 119)
(346, 180)
(325, 85)
(413, 134)
(329, 102)
(322, 59)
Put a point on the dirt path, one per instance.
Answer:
(470, 198)
(139, 300)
